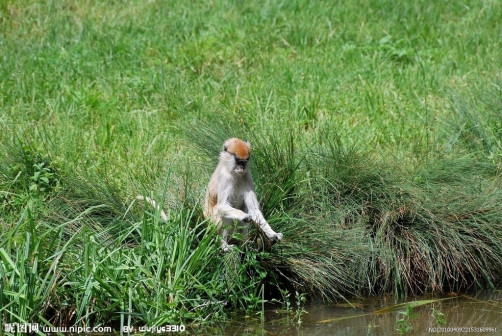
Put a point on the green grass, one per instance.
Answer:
(377, 150)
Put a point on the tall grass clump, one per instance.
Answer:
(434, 228)
(95, 268)
(84, 252)
(355, 223)
(29, 270)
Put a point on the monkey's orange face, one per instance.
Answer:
(240, 151)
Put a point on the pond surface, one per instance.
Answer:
(474, 314)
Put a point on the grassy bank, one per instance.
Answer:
(377, 150)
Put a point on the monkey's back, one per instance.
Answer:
(211, 196)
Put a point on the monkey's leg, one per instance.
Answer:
(244, 229)
(225, 246)
(226, 230)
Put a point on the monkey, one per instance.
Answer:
(231, 197)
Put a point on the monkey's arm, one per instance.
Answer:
(253, 208)
(226, 210)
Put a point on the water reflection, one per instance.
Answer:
(375, 317)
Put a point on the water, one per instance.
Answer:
(463, 315)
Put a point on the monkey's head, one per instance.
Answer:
(235, 155)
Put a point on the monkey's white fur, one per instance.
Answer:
(231, 197)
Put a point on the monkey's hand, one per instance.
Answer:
(277, 237)
(246, 218)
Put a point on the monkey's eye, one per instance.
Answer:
(241, 163)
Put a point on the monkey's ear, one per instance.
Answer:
(248, 143)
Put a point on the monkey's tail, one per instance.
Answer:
(154, 204)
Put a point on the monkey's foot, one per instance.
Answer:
(226, 247)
